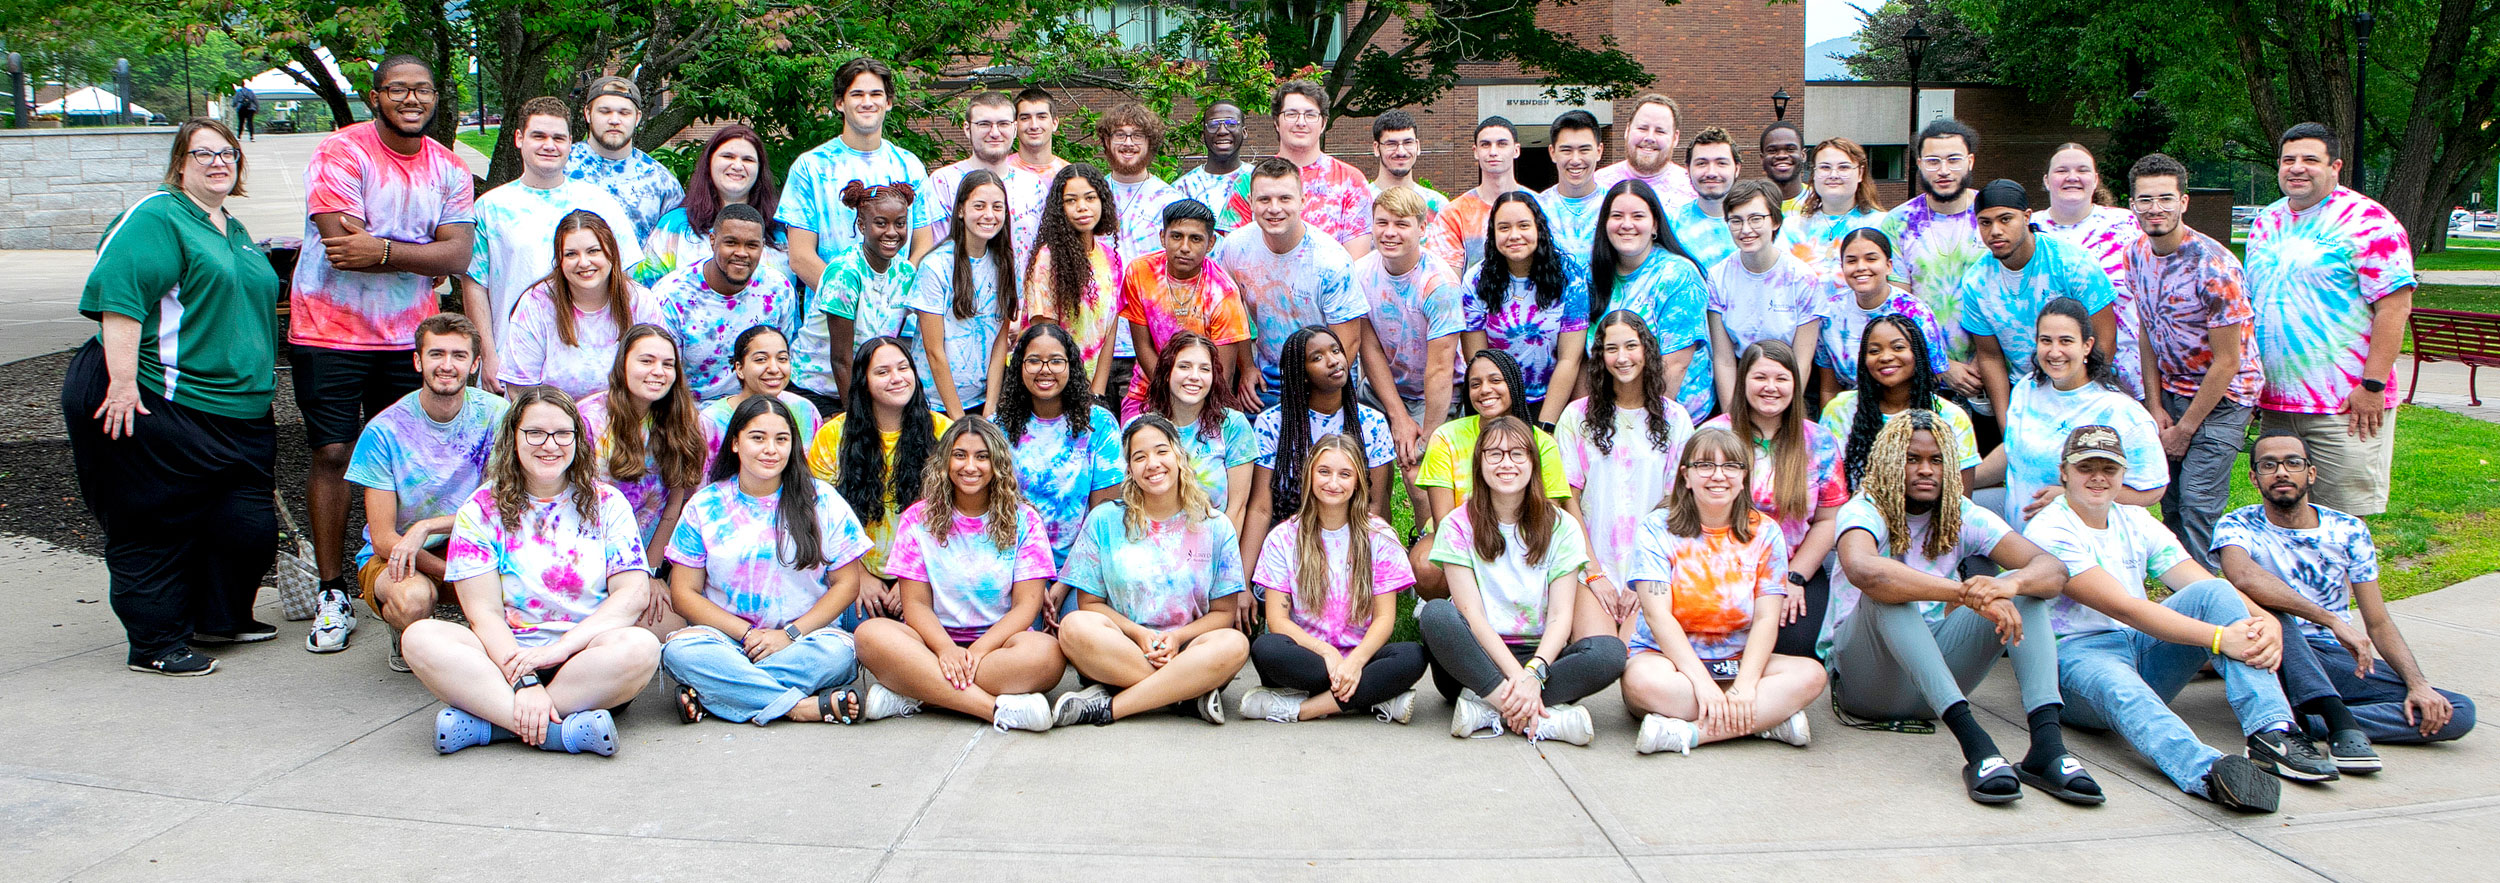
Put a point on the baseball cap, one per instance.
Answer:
(613, 85)
(2094, 441)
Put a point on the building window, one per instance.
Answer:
(1140, 25)
(1886, 159)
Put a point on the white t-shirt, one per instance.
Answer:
(2134, 547)
(1513, 591)
(1769, 305)
(2039, 417)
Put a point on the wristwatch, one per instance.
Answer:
(793, 631)
(528, 680)
(1536, 669)
(1796, 579)
(2373, 385)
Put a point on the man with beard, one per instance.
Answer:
(2306, 560)
(610, 159)
(819, 226)
(1336, 198)
(1783, 161)
(1649, 149)
(516, 226)
(1397, 145)
(1132, 137)
(708, 303)
(1575, 202)
(1458, 228)
(1700, 221)
(1935, 237)
(990, 127)
(2002, 295)
(1215, 182)
(391, 210)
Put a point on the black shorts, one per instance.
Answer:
(338, 390)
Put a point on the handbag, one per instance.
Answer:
(297, 578)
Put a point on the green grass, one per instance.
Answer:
(2472, 298)
(482, 142)
(2442, 526)
(2459, 257)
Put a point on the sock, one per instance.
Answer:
(335, 584)
(2048, 739)
(1966, 729)
(2338, 717)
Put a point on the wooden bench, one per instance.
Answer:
(2472, 339)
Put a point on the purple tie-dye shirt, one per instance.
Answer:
(707, 323)
(971, 580)
(1280, 570)
(430, 467)
(1531, 333)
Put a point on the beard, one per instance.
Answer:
(1961, 186)
(391, 121)
(622, 139)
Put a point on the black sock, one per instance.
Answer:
(2338, 717)
(335, 584)
(2048, 739)
(1966, 729)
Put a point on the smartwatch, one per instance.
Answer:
(793, 631)
(528, 680)
(2373, 385)
(1796, 579)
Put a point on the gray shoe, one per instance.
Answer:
(398, 663)
(2352, 752)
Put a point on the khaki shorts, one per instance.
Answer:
(371, 574)
(2353, 473)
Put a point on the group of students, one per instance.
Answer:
(967, 429)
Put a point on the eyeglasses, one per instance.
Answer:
(1835, 168)
(1506, 455)
(1130, 136)
(2271, 465)
(403, 93)
(563, 438)
(1955, 161)
(206, 157)
(1223, 125)
(1747, 222)
(1713, 466)
(1298, 116)
(1050, 363)
(2163, 203)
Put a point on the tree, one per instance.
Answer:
(1955, 53)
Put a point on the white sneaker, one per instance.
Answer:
(334, 618)
(1022, 711)
(1399, 709)
(1472, 715)
(882, 703)
(1209, 707)
(1565, 723)
(1662, 733)
(1792, 731)
(1281, 706)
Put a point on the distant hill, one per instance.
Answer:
(1823, 59)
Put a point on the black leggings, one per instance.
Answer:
(1798, 638)
(1584, 668)
(1287, 665)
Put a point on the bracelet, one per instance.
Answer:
(2217, 648)
(1536, 669)
(386, 253)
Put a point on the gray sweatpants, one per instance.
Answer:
(1587, 666)
(1889, 664)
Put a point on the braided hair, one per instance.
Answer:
(1076, 397)
(1511, 377)
(1869, 418)
(1887, 480)
(862, 474)
(1293, 421)
(1545, 265)
(1599, 418)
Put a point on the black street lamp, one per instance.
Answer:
(1914, 43)
(1779, 104)
(2362, 22)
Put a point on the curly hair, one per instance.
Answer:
(1076, 397)
(1511, 378)
(1888, 476)
(1131, 115)
(1605, 261)
(1536, 513)
(861, 469)
(1684, 509)
(1222, 396)
(1600, 415)
(1293, 420)
(1071, 258)
(794, 517)
(1869, 416)
(667, 431)
(1196, 507)
(1310, 550)
(1545, 265)
(581, 473)
(999, 518)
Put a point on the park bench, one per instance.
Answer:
(2471, 339)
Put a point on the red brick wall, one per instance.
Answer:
(2016, 138)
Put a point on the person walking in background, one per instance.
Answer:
(647, 189)
(246, 106)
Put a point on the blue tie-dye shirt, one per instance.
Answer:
(2312, 277)
(431, 467)
(2322, 562)
(1167, 578)
(739, 543)
(1671, 296)
(646, 188)
(707, 323)
(2006, 304)
(1061, 469)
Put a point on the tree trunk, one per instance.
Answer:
(2427, 164)
(317, 78)
(522, 75)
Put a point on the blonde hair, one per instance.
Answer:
(1000, 519)
(1866, 198)
(1684, 511)
(1404, 202)
(1310, 554)
(1887, 478)
(1196, 506)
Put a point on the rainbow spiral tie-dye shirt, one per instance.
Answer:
(2312, 278)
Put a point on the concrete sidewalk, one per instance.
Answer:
(288, 766)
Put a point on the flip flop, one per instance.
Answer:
(2061, 785)
(1977, 774)
(690, 706)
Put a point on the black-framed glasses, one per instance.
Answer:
(2271, 465)
(403, 93)
(562, 438)
(207, 157)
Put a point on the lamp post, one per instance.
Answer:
(1913, 43)
(1779, 104)
(477, 80)
(21, 109)
(2362, 22)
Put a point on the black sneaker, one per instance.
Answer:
(2352, 752)
(2239, 783)
(252, 632)
(2292, 756)
(183, 662)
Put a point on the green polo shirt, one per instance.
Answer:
(206, 302)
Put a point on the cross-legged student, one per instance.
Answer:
(551, 575)
(1149, 571)
(972, 561)
(1494, 390)
(1513, 562)
(1796, 479)
(1331, 575)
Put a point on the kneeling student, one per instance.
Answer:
(1331, 587)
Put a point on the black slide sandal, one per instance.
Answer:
(1997, 770)
(838, 706)
(690, 706)
(2061, 785)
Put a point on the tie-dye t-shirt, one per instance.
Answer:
(1310, 284)
(1212, 455)
(646, 188)
(1151, 299)
(399, 198)
(1714, 579)
(1618, 486)
(647, 495)
(739, 543)
(2184, 298)
(2106, 234)
(1024, 198)
(1672, 297)
(1573, 219)
(2322, 563)
(1981, 531)
(1336, 199)
(1164, 580)
(707, 322)
(824, 458)
(811, 194)
(1530, 332)
(516, 239)
(2135, 547)
(1280, 570)
(1217, 192)
(673, 244)
(1457, 232)
(1450, 460)
(1025, 212)
(555, 567)
(1409, 312)
(431, 467)
(1672, 183)
(2006, 304)
(971, 580)
(2312, 277)
(1513, 592)
(1097, 320)
(968, 341)
(1378, 446)
(1830, 485)
(715, 416)
(1703, 235)
(1844, 330)
(1060, 470)
(1814, 237)
(1141, 208)
(876, 303)
(2043, 415)
(535, 353)
(1931, 251)
(1770, 305)
(1840, 415)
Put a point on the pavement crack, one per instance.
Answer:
(1597, 815)
(939, 790)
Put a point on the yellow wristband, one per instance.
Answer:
(2217, 649)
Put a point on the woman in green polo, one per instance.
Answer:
(168, 410)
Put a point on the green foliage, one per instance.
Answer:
(1955, 52)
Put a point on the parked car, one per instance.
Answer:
(2242, 214)
(2460, 219)
(2487, 220)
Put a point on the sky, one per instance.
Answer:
(1826, 19)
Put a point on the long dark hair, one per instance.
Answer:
(1076, 397)
(2096, 367)
(675, 436)
(1599, 418)
(1071, 268)
(703, 200)
(1869, 419)
(862, 477)
(1222, 396)
(1511, 377)
(1604, 258)
(1001, 250)
(1545, 265)
(795, 515)
(560, 288)
(1293, 420)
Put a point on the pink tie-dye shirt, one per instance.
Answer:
(1336, 199)
(555, 566)
(399, 198)
(2105, 234)
(2312, 278)
(1280, 570)
(971, 580)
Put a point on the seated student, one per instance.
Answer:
(1067, 447)
(1765, 294)
(2121, 658)
(1190, 386)
(1907, 637)
(875, 454)
(1895, 376)
(566, 329)
(2070, 385)
(1796, 479)
(1709, 572)
(1318, 389)
(964, 292)
(417, 460)
(551, 577)
(972, 562)
(1331, 586)
(1618, 453)
(763, 369)
(1177, 289)
(1150, 571)
(2299, 558)
(1865, 267)
(1513, 562)
(1527, 300)
(1493, 390)
(865, 293)
(766, 558)
(1072, 276)
(646, 439)
(1638, 265)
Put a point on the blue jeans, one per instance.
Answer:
(2124, 680)
(2319, 664)
(736, 688)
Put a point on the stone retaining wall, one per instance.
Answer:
(59, 187)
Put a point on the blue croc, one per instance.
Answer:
(455, 729)
(592, 731)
